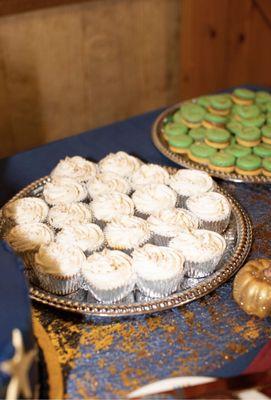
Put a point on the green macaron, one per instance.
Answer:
(254, 122)
(249, 134)
(267, 164)
(177, 116)
(262, 150)
(249, 163)
(266, 131)
(222, 159)
(262, 97)
(204, 101)
(220, 102)
(202, 150)
(215, 119)
(245, 94)
(180, 141)
(234, 127)
(237, 150)
(217, 135)
(175, 129)
(192, 112)
(251, 111)
(197, 134)
(268, 106)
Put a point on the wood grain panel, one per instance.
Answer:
(68, 69)
(224, 43)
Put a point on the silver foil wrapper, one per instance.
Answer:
(58, 284)
(159, 287)
(160, 240)
(201, 269)
(109, 296)
(217, 226)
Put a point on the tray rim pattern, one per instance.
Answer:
(184, 161)
(176, 299)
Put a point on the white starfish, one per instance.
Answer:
(17, 368)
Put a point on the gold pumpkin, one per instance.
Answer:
(252, 288)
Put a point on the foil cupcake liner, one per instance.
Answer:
(129, 250)
(101, 223)
(58, 284)
(109, 296)
(218, 226)
(159, 287)
(140, 214)
(88, 252)
(161, 240)
(181, 201)
(201, 269)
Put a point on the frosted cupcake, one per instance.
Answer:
(127, 233)
(58, 267)
(64, 190)
(212, 209)
(26, 239)
(29, 237)
(63, 214)
(201, 249)
(88, 237)
(111, 205)
(107, 182)
(109, 275)
(147, 174)
(166, 224)
(120, 163)
(152, 198)
(189, 182)
(159, 270)
(26, 210)
(76, 167)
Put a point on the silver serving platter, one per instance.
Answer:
(238, 238)
(183, 160)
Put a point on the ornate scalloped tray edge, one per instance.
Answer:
(184, 161)
(243, 239)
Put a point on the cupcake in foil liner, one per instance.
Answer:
(58, 284)
(167, 224)
(88, 237)
(202, 250)
(58, 267)
(213, 210)
(127, 233)
(108, 275)
(159, 270)
(62, 215)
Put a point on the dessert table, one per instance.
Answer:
(110, 357)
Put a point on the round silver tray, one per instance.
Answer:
(238, 238)
(183, 160)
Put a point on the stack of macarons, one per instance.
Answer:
(228, 132)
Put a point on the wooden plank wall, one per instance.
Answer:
(224, 43)
(71, 68)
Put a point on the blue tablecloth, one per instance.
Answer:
(109, 358)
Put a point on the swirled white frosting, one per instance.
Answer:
(27, 237)
(126, 232)
(86, 236)
(108, 270)
(170, 222)
(60, 259)
(75, 167)
(147, 174)
(155, 197)
(66, 214)
(199, 245)
(157, 262)
(64, 190)
(107, 182)
(120, 163)
(110, 205)
(210, 206)
(26, 210)
(189, 182)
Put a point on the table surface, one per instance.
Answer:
(108, 358)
